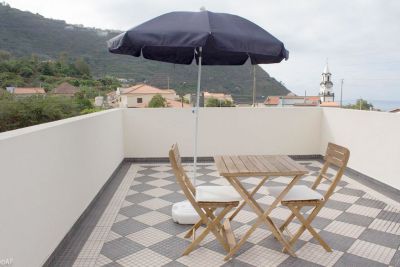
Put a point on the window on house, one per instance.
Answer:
(139, 100)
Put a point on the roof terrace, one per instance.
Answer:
(96, 190)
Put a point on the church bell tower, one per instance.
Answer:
(325, 92)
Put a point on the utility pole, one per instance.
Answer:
(254, 85)
(168, 82)
(341, 94)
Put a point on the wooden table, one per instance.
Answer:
(234, 167)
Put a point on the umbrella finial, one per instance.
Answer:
(203, 8)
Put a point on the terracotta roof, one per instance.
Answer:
(177, 104)
(330, 104)
(396, 110)
(65, 89)
(29, 91)
(144, 89)
(272, 100)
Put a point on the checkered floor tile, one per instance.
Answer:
(361, 230)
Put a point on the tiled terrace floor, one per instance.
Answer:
(136, 228)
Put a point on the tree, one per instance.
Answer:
(360, 104)
(47, 69)
(82, 67)
(214, 102)
(157, 101)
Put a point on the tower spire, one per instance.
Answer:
(326, 69)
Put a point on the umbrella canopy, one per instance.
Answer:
(177, 36)
(210, 38)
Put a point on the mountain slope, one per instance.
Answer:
(24, 33)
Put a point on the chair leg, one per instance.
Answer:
(306, 224)
(287, 222)
(197, 225)
(211, 227)
(193, 228)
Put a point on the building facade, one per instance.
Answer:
(139, 96)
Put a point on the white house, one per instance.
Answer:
(139, 96)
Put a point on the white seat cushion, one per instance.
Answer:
(297, 192)
(217, 194)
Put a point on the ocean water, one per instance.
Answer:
(384, 105)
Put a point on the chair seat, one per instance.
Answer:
(297, 193)
(217, 194)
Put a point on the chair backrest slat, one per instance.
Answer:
(337, 156)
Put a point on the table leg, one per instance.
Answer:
(262, 216)
(251, 194)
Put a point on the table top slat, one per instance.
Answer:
(240, 165)
(275, 161)
(257, 163)
(283, 161)
(294, 164)
(249, 164)
(268, 165)
(230, 165)
(220, 163)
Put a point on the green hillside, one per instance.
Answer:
(25, 33)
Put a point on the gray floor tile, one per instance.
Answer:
(271, 243)
(355, 261)
(352, 192)
(336, 242)
(389, 216)
(371, 203)
(169, 226)
(134, 210)
(120, 248)
(236, 263)
(338, 205)
(176, 246)
(138, 198)
(294, 262)
(320, 223)
(355, 219)
(381, 238)
(142, 187)
(128, 226)
(174, 197)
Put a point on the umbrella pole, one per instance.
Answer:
(196, 126)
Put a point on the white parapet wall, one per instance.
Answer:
(373, 139)
(151, 132)
(49, 174)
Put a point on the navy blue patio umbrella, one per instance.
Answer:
(209, 38)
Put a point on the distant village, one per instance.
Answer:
(139, 96)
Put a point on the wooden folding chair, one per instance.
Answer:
(301, 196)
(205, 200)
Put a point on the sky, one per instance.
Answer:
(360, 38)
